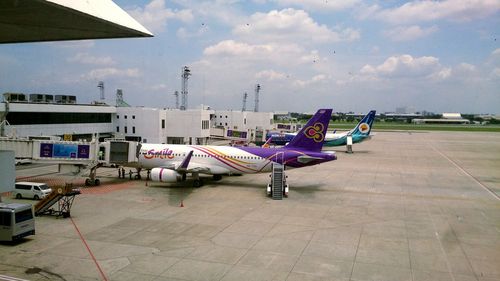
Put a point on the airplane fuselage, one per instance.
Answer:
(339, 139)
(331, 139)
(227, 159)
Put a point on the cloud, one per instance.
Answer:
(315, 5)
(184, 33)
(496, 72)
(443, 74)
(270, 75)
(408, 33)
(233, 48)
(158, 87)
(315, 79)
(102, 73)
(155, 15)
(424, 11)
(76, 44)
(290, 25)
(403, 66)
(275, 54)
(85, 58)
(496, 52)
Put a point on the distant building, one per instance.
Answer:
(243, 125)
(452, 115)
(447, 118)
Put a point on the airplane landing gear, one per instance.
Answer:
(197, 182)
(94, 182)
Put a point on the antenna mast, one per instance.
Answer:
(185, 76)
(245, 96)
(176, 94)
(257, 90)
(100, 85)
(120, 102)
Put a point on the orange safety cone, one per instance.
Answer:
(182, 204)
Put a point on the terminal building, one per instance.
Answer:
(36, 116)
(39, 115)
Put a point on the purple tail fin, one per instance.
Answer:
(312, 136)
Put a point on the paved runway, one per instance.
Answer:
(404, 206)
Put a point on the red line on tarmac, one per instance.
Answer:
(88, 249)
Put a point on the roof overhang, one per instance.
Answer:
(54, 20)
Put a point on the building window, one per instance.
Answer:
(245, 121)
(125, 129)
(125, 117)
(133, 116)
(226, 124)
(117, 129)
(36, 118)
(133, 130)
(163, 123)
(117, 116)
(204, 124)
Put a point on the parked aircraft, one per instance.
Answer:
(359, 133)
(171, 163)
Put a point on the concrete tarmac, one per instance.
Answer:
(404, 206)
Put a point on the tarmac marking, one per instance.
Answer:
(88, 249)
(466, 173)
(10, 278)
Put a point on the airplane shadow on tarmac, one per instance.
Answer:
(178, 192)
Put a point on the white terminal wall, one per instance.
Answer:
(146, 121)
(59, 129)
(188, 123)
(248, 121)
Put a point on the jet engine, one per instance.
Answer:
(166, 175)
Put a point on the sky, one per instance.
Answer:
(349, 55)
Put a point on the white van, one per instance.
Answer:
(33, 190)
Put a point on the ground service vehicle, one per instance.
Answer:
(16, 221)
(33, 190)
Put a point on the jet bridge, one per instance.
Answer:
(75, 157)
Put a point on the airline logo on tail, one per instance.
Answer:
(312, 135)
(315, 132)
(364, 128)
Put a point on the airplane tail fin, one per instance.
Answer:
(312, 135)
(364, 126)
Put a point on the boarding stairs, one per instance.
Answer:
(278, 187)
(63, 196)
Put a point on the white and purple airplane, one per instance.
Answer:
(171, 163)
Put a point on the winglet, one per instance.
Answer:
(312, 135)
(266, 144)
(185, 162)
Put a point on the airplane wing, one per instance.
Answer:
(187, 166)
